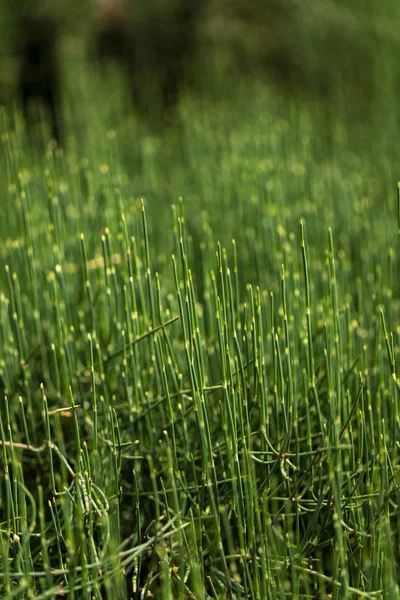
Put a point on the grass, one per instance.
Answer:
(200, 402)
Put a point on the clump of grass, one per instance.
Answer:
(191, 419)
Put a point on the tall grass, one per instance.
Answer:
(199, 402)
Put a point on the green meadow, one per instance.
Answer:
(199, 331)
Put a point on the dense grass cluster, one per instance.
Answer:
(200, 402)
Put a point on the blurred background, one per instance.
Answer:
(276, 105)
(154, 52)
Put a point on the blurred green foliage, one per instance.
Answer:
(334, 48)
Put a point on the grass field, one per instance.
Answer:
(200, 401)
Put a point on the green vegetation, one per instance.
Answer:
(200, 401)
